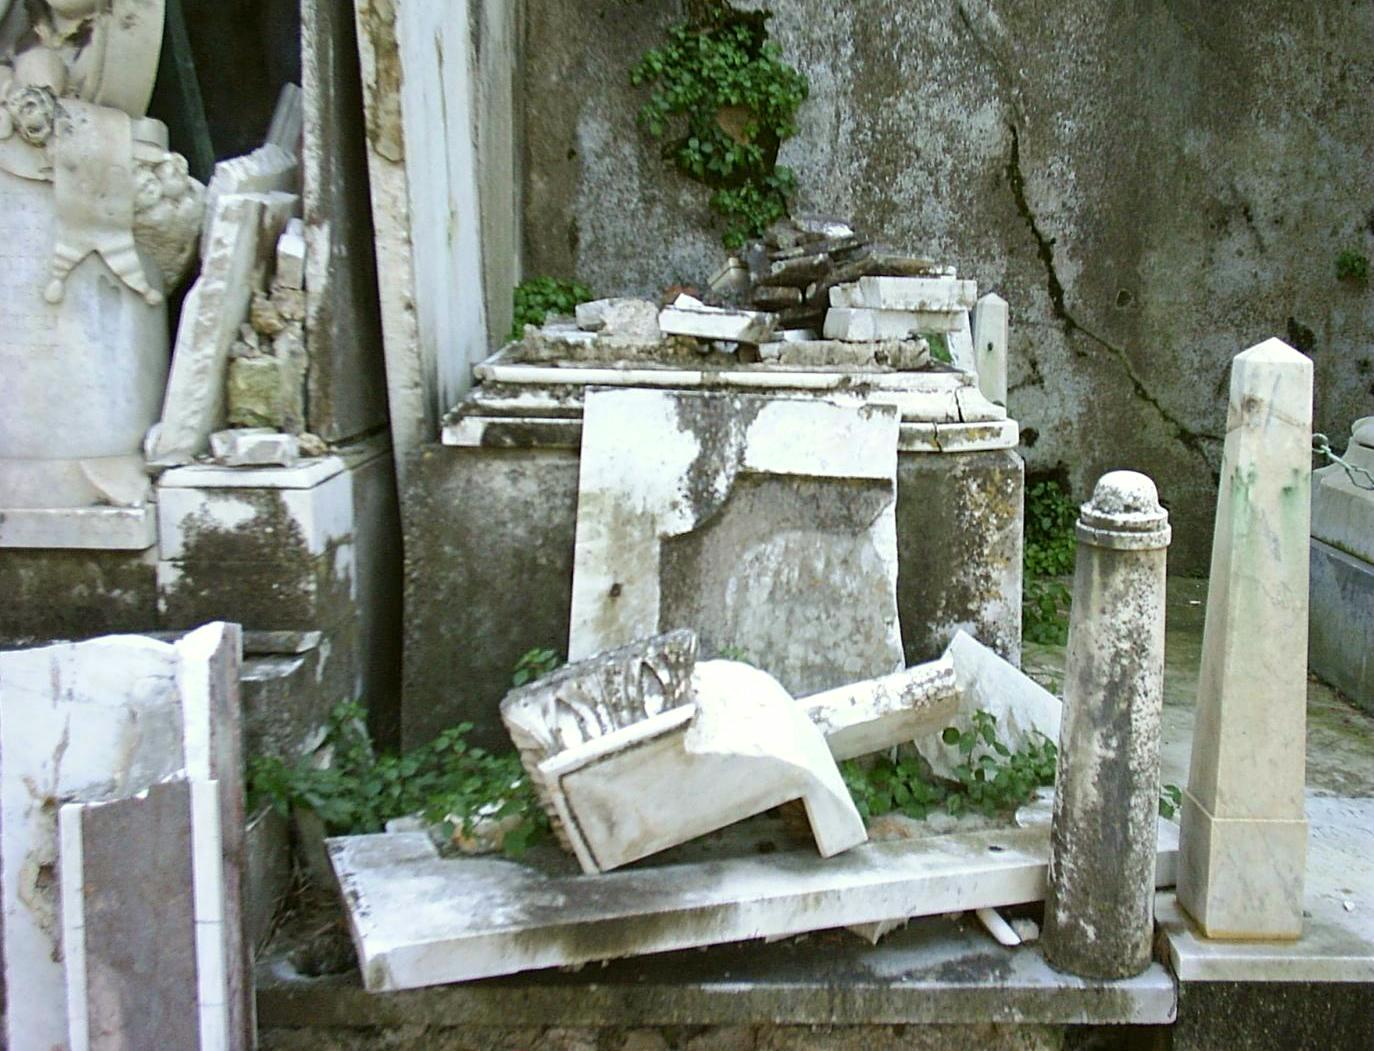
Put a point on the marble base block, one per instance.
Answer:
(1254, 874)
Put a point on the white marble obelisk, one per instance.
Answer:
(1244, 835)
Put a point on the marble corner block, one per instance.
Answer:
(628, 772)
(85, 721)
(273, 547)
(1099, 913)
(865, 325)
(991, 333)
(932, 294)
(1244, 833)
(983, 681)
(766, 524)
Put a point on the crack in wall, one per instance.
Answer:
(1190, 438)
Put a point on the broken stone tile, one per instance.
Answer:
(765, 523)
(822, 226)
(290, 271)
(1025, 710)
(78, 721)
(253, 447)
(776, 297)
(419, 920)
(690, 317)
(620, 320)
(800, 271)
(742, 746)
(870, 716)
(862, 325)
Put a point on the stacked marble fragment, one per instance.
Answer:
(879, 308)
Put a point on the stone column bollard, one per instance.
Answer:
(1243, 839)
(1099, 914)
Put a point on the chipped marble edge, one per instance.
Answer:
(85, 528)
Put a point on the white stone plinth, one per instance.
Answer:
(1244, 833)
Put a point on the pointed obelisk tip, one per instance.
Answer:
(1272, 350)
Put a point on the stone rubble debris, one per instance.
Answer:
(689, 316)
(254, 447)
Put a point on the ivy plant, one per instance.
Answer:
(538, 297)
(1049, 555)
(723, 100)
(448, 781)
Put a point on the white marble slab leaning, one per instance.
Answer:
(766, 524)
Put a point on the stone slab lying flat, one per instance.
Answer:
(418, 919)
(935, 971)
(1337, 943)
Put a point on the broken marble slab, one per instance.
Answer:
(870, 716)
(688, 316)
(921, 294)
(254, 447)
(418, 919)
(864, 325)
(290, 270)
(620, 320)
(1025, 711)
(764, 523)
(743, 746)
(903, 354)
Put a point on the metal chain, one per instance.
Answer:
(1322, 447)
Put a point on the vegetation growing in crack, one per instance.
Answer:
(1352, 267)
(449, 783)
(724, 100)
(1048, 557)
(538, 297)
(990, 778)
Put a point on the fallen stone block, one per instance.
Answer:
(916, 293)
(290, 272)
(253, 447)
(870, 716)
(863, 325)
(690, 317)
(624, 320)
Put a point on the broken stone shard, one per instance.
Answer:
(1099, 914)
(253, 447)
(1025, 711)
(917, 293)
(990, 337)
(1244, 831)
(870, 716)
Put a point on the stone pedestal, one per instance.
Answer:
(83, 380)
(1244, 834)
(1099, 914)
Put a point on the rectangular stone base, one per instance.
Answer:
(84, 528)
(1241, 878)
(1340, 640)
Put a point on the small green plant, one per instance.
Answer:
(448, 781)
(990, 777)
(725, 99)
(1049, 554)
(737, 653)
(1170, 799)
(1352, 266)
(534, 664)
(939, 348)
(538, 297)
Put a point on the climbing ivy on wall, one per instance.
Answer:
(723, 100)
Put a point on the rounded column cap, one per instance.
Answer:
(1124, 513)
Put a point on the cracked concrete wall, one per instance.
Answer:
(1153, 187)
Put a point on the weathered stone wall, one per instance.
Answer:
(1153, 187)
